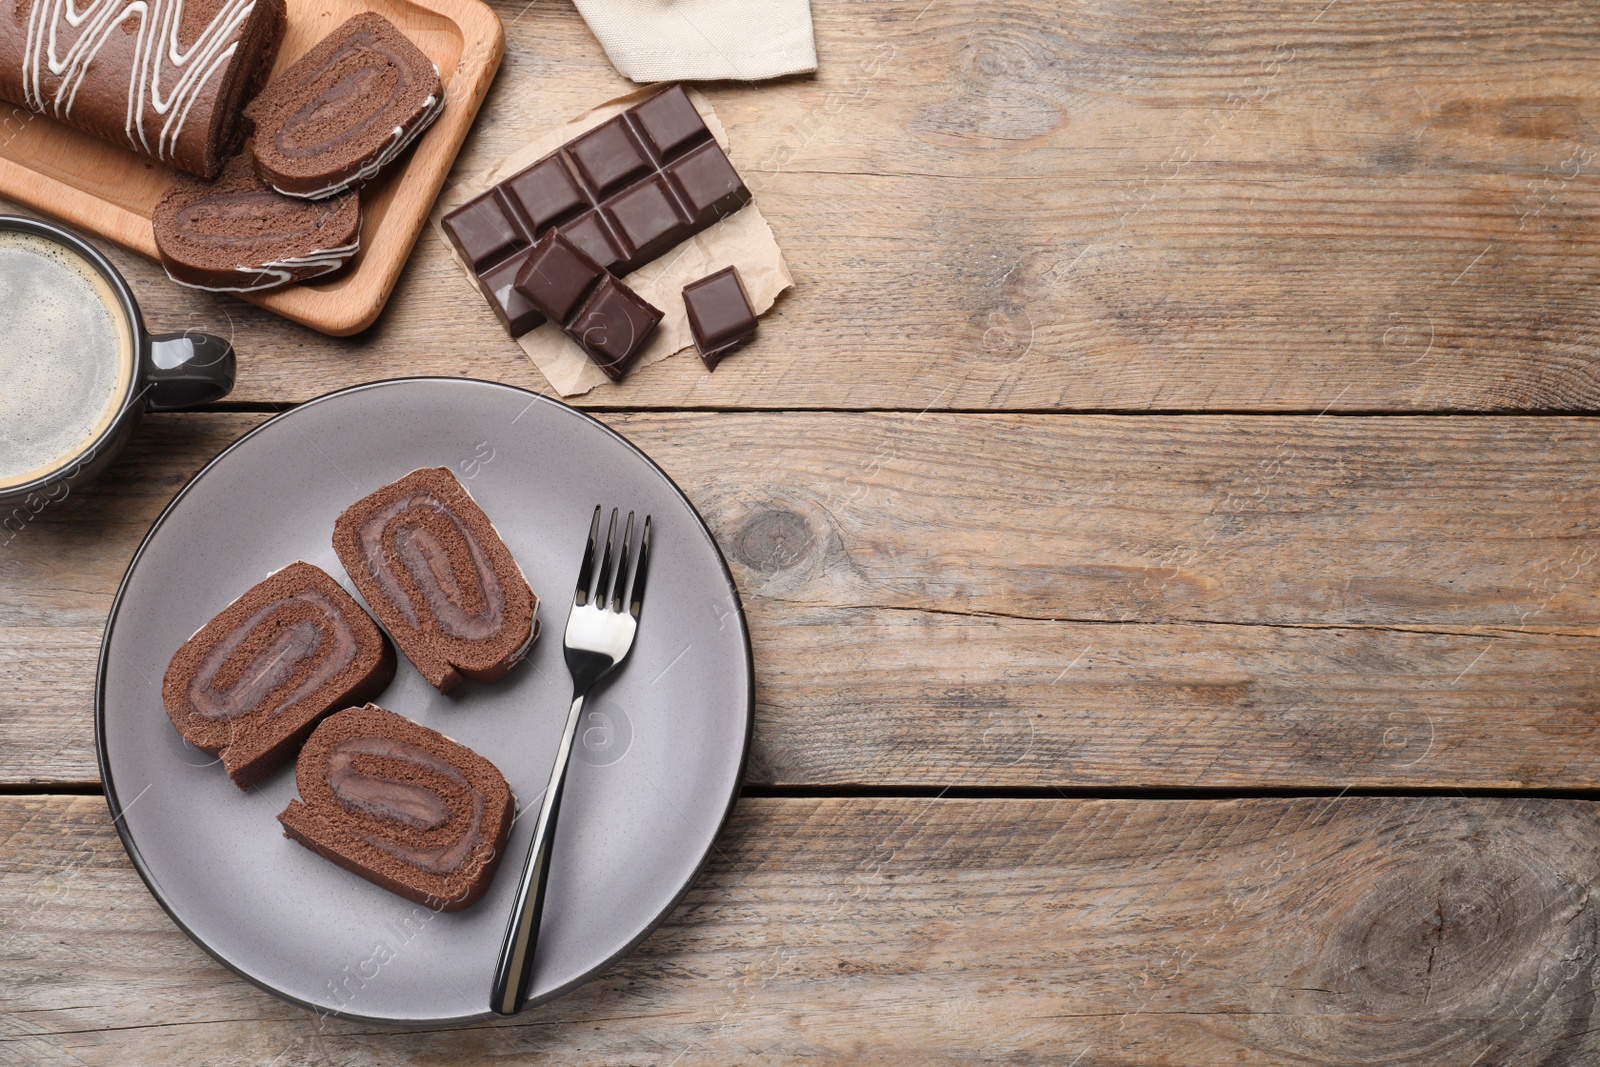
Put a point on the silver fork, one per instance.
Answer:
(599, 635)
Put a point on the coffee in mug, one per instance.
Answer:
(79, 367)
(66, 356)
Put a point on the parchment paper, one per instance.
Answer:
(743, 239)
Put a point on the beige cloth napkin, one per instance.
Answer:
(698, 40)
(743, 239)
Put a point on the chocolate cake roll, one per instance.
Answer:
(254, 681)
(437, 576)
(401, 805)
(236, 235)
(344, 110)
(166, 78)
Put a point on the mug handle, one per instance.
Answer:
(185, 370)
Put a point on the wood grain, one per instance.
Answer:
(1093, 206)
(1423, 931)
(1023, 600)
(110, 191)
(1089, 206)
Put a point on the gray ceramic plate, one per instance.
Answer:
(653, 779)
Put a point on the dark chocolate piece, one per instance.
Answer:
(435, 573)
(498, 283)
(557, 276)
(401, 805)
(253, 682)
(669, 123)
(610, 322)
(720, 315)
(590, 233)
(237, 235)
(484, 232)
(344, 110)
(647, 216)
(613, 326)
(166, 78)
(491, 244)
(625, 192)
(547, 194)
(608, 155)
(707, 183)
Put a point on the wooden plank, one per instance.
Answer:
(1434, 522)
(1093, 206)
(1423, 931)
(894, 698)
(1019, 88)
(1023, 600)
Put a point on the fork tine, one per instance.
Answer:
(636, 598)
(586, 571)
(622, 567)
(602, 588)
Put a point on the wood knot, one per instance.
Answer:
(995, 94)
(772, 540)
(1431, 951)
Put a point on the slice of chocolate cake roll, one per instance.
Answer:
(402, 806)
(435, 573)
(166, 78)
(236, 235)
(253, 682)
(343, 111)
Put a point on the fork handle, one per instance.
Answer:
(513, 975)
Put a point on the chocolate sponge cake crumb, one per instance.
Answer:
(341, 113)
(236, 235)
(402, 806)
(253, 682)
(437, 576)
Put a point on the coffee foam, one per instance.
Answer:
(66, 356)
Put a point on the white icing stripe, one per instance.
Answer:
(398, 141)
(157, 53)
(282, 270)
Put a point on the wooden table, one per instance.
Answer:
(1167, 512)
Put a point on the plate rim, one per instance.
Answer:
(102, 758)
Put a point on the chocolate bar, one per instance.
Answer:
(720, 315)
(625, 192)
(608, 320)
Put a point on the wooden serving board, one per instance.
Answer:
(112, 191)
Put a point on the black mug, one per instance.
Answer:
(169, 372)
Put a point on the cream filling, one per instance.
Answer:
(386, 535)
(410, 804)
(275, 665)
